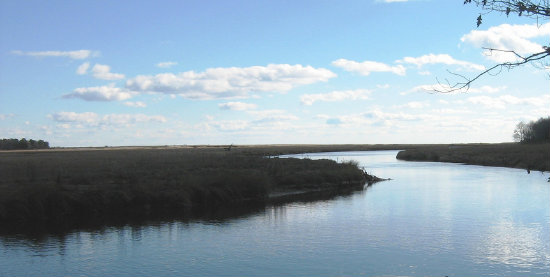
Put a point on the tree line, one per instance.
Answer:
(533, 131)
(18, 144)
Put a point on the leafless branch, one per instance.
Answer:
(520, 7)
(466, 83)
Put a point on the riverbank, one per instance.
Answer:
(514, 155)
(71, 187)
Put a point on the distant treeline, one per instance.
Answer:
(534, 131)
(17, 144)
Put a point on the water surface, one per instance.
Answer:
(432, 219)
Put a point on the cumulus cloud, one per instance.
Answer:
(380, 115)
(237, 106)
(130, 119)
(86, 117)
(6, 116)
(440, 59)
(508, 37)
(359, 94)
(103, 93)
(415, 105)
(137, 104)
(428, 88)
(101, 71)
(501, 102)
(83, 68)
(374, 117)
(272, 116)
(230, 125)
(93, 119)
(260, 121)
(365, 68)
(487, 89)
(166, 64)
(232, 82)
(75, 55)
(443, 87)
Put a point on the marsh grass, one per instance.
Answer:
(532, 156)
(74, 187)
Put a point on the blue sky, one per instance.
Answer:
(95, 73)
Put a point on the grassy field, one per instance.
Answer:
(74, 186)
(516, 155)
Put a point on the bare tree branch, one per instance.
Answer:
(465, 85)
(520, 7)
(528, 8)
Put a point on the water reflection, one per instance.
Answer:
(510, 243)
(42, 241)
(432, 219)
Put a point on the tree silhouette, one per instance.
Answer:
(533, 131)
(532, 9)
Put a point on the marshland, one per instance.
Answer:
(206, 211)
(64, 187)
(70, 187)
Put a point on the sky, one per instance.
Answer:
(113, 73)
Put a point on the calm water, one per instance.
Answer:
(432, 219)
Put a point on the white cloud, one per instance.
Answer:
(83, 68)
(366, 67)
(425, 73)
(272, 116)
(378, 115)
(87, 117)
(103, 93)
(101, 71)
(486, 89)
(501, 102)
(75, 55)
(166, 64)
(266, 120)
(440, 59)
(428, 89)
(237, 106)
(415, 105)
(359, 94)
(130, 119)
(508, 37)
(137, 104)
(230, 125)
(375, 117)
(6, 116)
(93, 119)
(437, 88)
(232, 82)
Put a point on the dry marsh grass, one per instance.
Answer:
(532, 156)
(70, 186)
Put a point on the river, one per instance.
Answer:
(431, 219)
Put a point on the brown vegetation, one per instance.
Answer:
(70, 186)
(516, 155)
